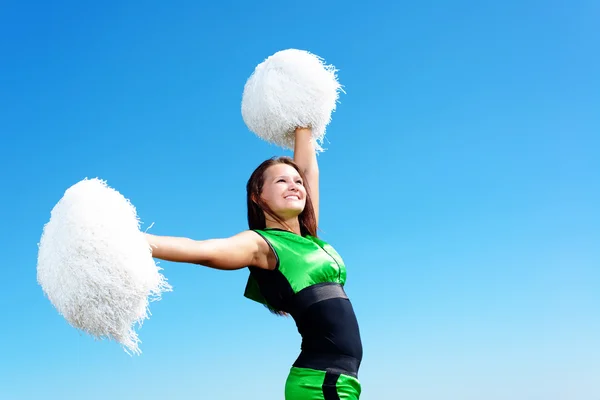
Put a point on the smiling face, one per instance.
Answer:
(283, 191)
(276, 191)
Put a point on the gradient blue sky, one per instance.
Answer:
(461, 186)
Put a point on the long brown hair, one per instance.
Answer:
(257, 207)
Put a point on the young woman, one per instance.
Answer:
(291, 272)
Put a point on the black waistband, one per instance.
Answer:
(316, 293)
(336, 363)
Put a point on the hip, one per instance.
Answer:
(312, 384)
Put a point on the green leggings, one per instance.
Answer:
(311, 384)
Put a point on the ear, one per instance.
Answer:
(254, 198)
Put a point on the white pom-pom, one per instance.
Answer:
(95, 265)
(289, 89)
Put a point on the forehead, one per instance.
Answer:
(281, 169)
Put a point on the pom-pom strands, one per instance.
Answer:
(291, 88)
(95, 265)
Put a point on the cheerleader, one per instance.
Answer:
(291, 271)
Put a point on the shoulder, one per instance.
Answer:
(251, 238)
(263, 255)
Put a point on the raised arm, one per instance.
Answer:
(239, 251)
(305, 157)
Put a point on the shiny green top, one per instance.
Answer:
(303, 261)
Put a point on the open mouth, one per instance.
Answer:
(292, 197)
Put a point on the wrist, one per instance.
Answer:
(303, 129)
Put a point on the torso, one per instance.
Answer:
(307, 282)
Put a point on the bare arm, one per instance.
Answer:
(305, 157)
(239, 251)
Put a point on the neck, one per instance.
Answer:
(292, 224)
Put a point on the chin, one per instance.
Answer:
(288, 213)
(298, 210)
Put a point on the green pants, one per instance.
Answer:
(311, 384)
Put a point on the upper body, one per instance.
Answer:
(307, 283)
(289, 265)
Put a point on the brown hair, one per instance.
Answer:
(257, 207)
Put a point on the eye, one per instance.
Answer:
(299, 182)
(280, 180)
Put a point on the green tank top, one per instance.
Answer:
(302, 261)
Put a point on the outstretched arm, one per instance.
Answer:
(305, 156)
(239, 251)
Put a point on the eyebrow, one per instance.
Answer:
(286, 176)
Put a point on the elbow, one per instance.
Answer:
(312, 169)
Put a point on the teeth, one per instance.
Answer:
(292, 197)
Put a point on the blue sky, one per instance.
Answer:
(460, 185)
